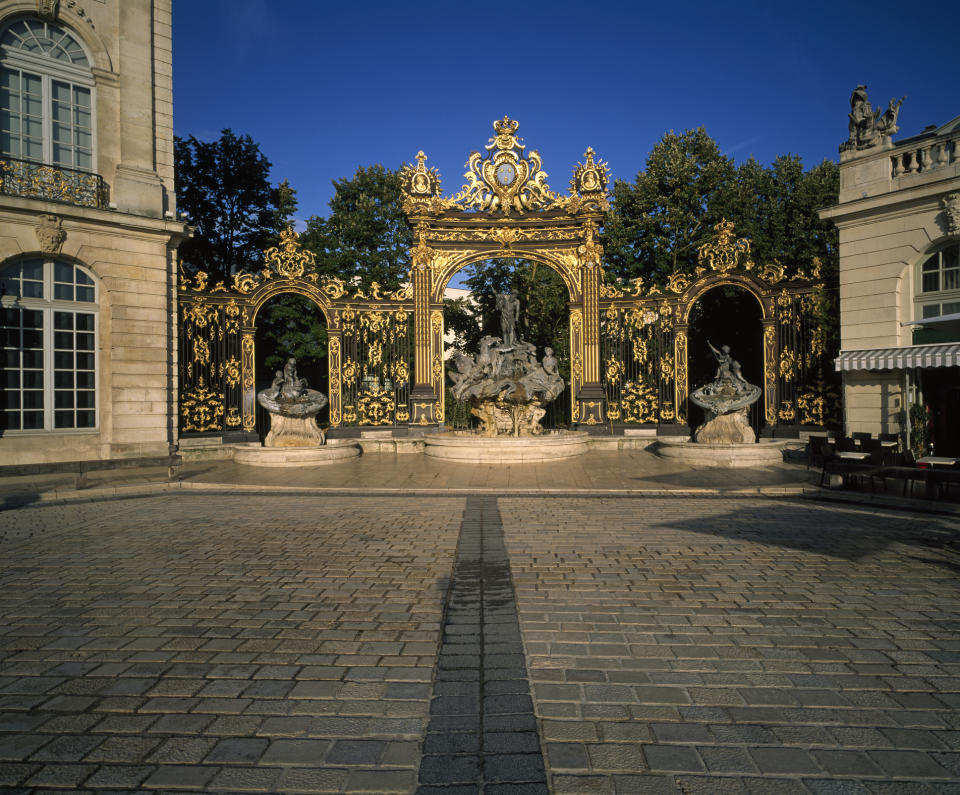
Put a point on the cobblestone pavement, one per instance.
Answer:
(304, 643)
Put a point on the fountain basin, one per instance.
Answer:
(762, 453)
(471, 448)
(334, 451)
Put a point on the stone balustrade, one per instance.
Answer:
(925, 156)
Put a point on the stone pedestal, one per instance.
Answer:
(732, 428)
(293, 432)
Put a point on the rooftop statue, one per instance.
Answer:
(868, 127)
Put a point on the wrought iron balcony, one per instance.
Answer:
(52, 183)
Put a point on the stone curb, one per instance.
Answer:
(806, 492)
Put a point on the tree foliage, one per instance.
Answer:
(365, 238)
(224, 189)
(658, 221)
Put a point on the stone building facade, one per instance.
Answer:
(899, 226)
(88, 230)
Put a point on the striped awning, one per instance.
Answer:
(943, 355)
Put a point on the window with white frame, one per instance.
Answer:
(939, 283)
(46, 96)
(48, 321)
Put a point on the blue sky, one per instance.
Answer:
(327, 87)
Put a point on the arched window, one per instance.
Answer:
(938, 290)
(46, 96)
(48, 320)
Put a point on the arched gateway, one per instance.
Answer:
(628, 345)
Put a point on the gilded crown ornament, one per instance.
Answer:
(506, 179)
(289, 259)
(724, 251)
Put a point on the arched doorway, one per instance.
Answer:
(290, 325)
(725, 315)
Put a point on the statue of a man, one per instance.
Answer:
(509, 306)
(862, 118)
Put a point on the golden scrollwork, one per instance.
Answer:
(289, 259)
(199, 313)
(233, 418)
(788, 364)
(201, 351)
(200, 279)
(812, 408)
(773, 272)
(421, 255)
(376, 406)
(201, 409)
(666, 413)
(350, 371)
(818, 341)
(639, 402)
(232, 312)
(405, 293)
(590, 252)
(400, 372)
(333, 287)
(576, 321)
(231, 372)
(613, 370)
(667, 371)
(724, 252)
(678, 282)
(787, 413)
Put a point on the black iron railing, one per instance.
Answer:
(52, 183)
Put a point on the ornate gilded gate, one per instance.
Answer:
(628, 345)
(645, 331)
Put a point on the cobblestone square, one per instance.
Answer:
(266, 642)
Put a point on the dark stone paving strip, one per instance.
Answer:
(482, 736)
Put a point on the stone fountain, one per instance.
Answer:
(294, 439)
(725, 439)
(507, 388)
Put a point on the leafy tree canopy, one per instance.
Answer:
(366, 237)
(656, 223)
(224, 189)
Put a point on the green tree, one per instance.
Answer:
(366, 237)
(657, 222)
(224, 189)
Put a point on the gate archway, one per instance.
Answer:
(645, 331)
(506, 209)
